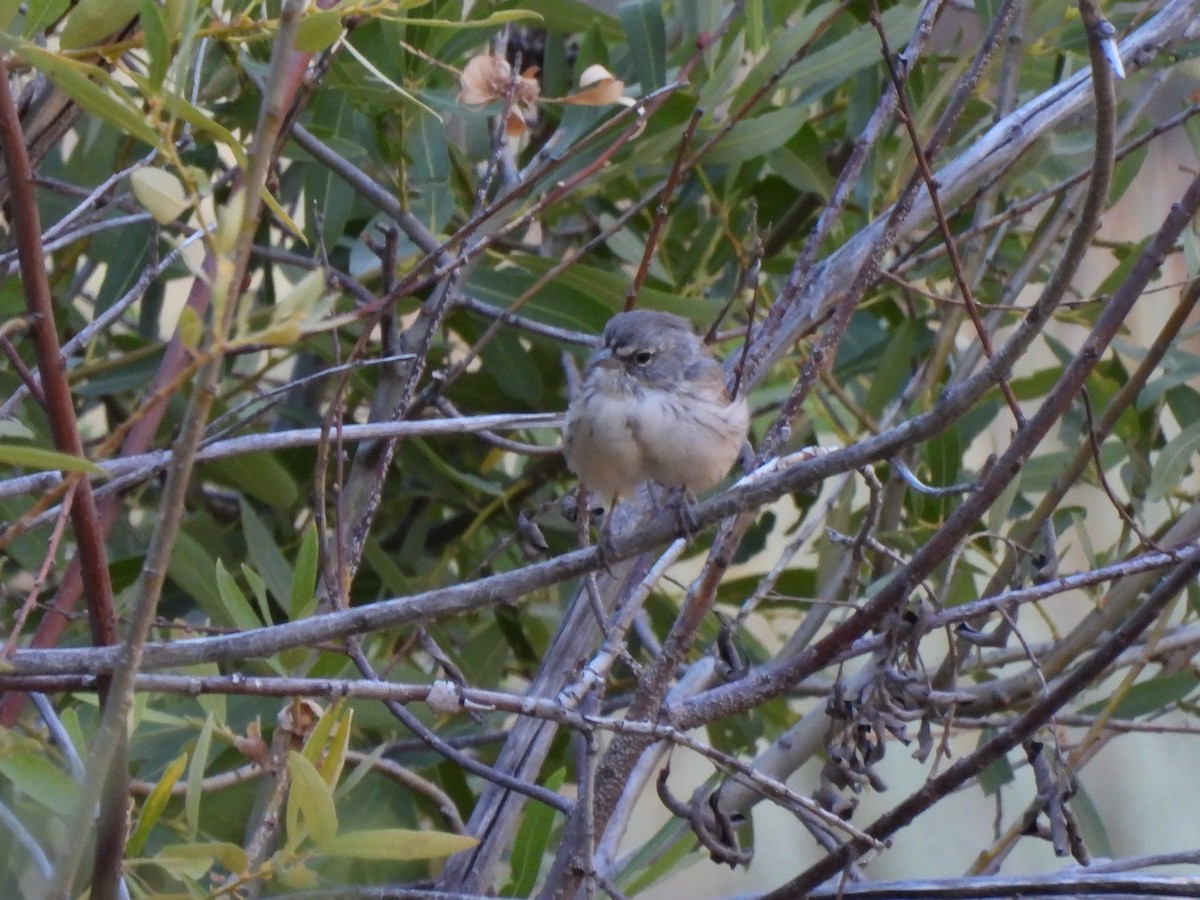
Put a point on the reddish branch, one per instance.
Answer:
(60, 409)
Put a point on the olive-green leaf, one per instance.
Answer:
(231, 856)
(237, 608)
(47, 460)
(318, 30)
(339, 744)
(260, 475)
(1151, 697)
(152, 18)
(161, 192)
(8, 10)
(647, 33)
(155, 803)
(75, 79)
(396, 844)
(1173, 462)
(190, 328)
(531, 842)
(34, 775)
(304, 574)
(265, 555)
(195, 777)
(311, 800)
(94, 20)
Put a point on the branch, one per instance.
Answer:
(59, 405)
(107, 755)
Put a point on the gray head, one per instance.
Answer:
(654, 347)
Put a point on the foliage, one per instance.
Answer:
(318, 299)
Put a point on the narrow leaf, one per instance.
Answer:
(47, 460)
(153, 20)
(73, 77)
(237, 607)
(318, 30)
(34, 775)
(195, 778)
(155, 803)
(304, 575)
(1173, 462)
(647, 33)
(335, 757)
(231, 856)
(531, 842)
(318, 738)
(94, 20)
(313, 800)
(161, 192)
(397, 844)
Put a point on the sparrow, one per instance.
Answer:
(653, 407)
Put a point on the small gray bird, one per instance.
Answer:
(653, 407)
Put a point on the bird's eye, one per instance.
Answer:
(642, 357)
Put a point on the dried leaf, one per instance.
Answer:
(488, 79)
(600, 94)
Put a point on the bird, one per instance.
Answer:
(653, 407)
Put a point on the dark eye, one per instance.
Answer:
(642, 357)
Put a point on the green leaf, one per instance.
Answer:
(36, 776)
(297, 876)
(237, 608)
(894, 367)
(318, 738)
(399, 844)
(8, 12)
(230, 856)
(318, 30)
(334, 121)
(311, 801)
(190, 328)
(266, 557)
(506, 361)
(75, 79)
(571, 16)
(260, 475)
(998, 773)
(657, 858)
(647, 33)
(42, 15)
(258, 588)
(503, 17)
(47, 460)
(94, 20)
(195, 777)
(529, 847)
(752, 138)
(427, 150)
(1091, 824)
(1173, 462)
(832, 65)
(304, 575)
(365, 766)
(756, 33)
(943, 454)
(200, 120)
(152, 18)
(335, 756)
(1155, 695)
(155, 803)
(161, 192)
